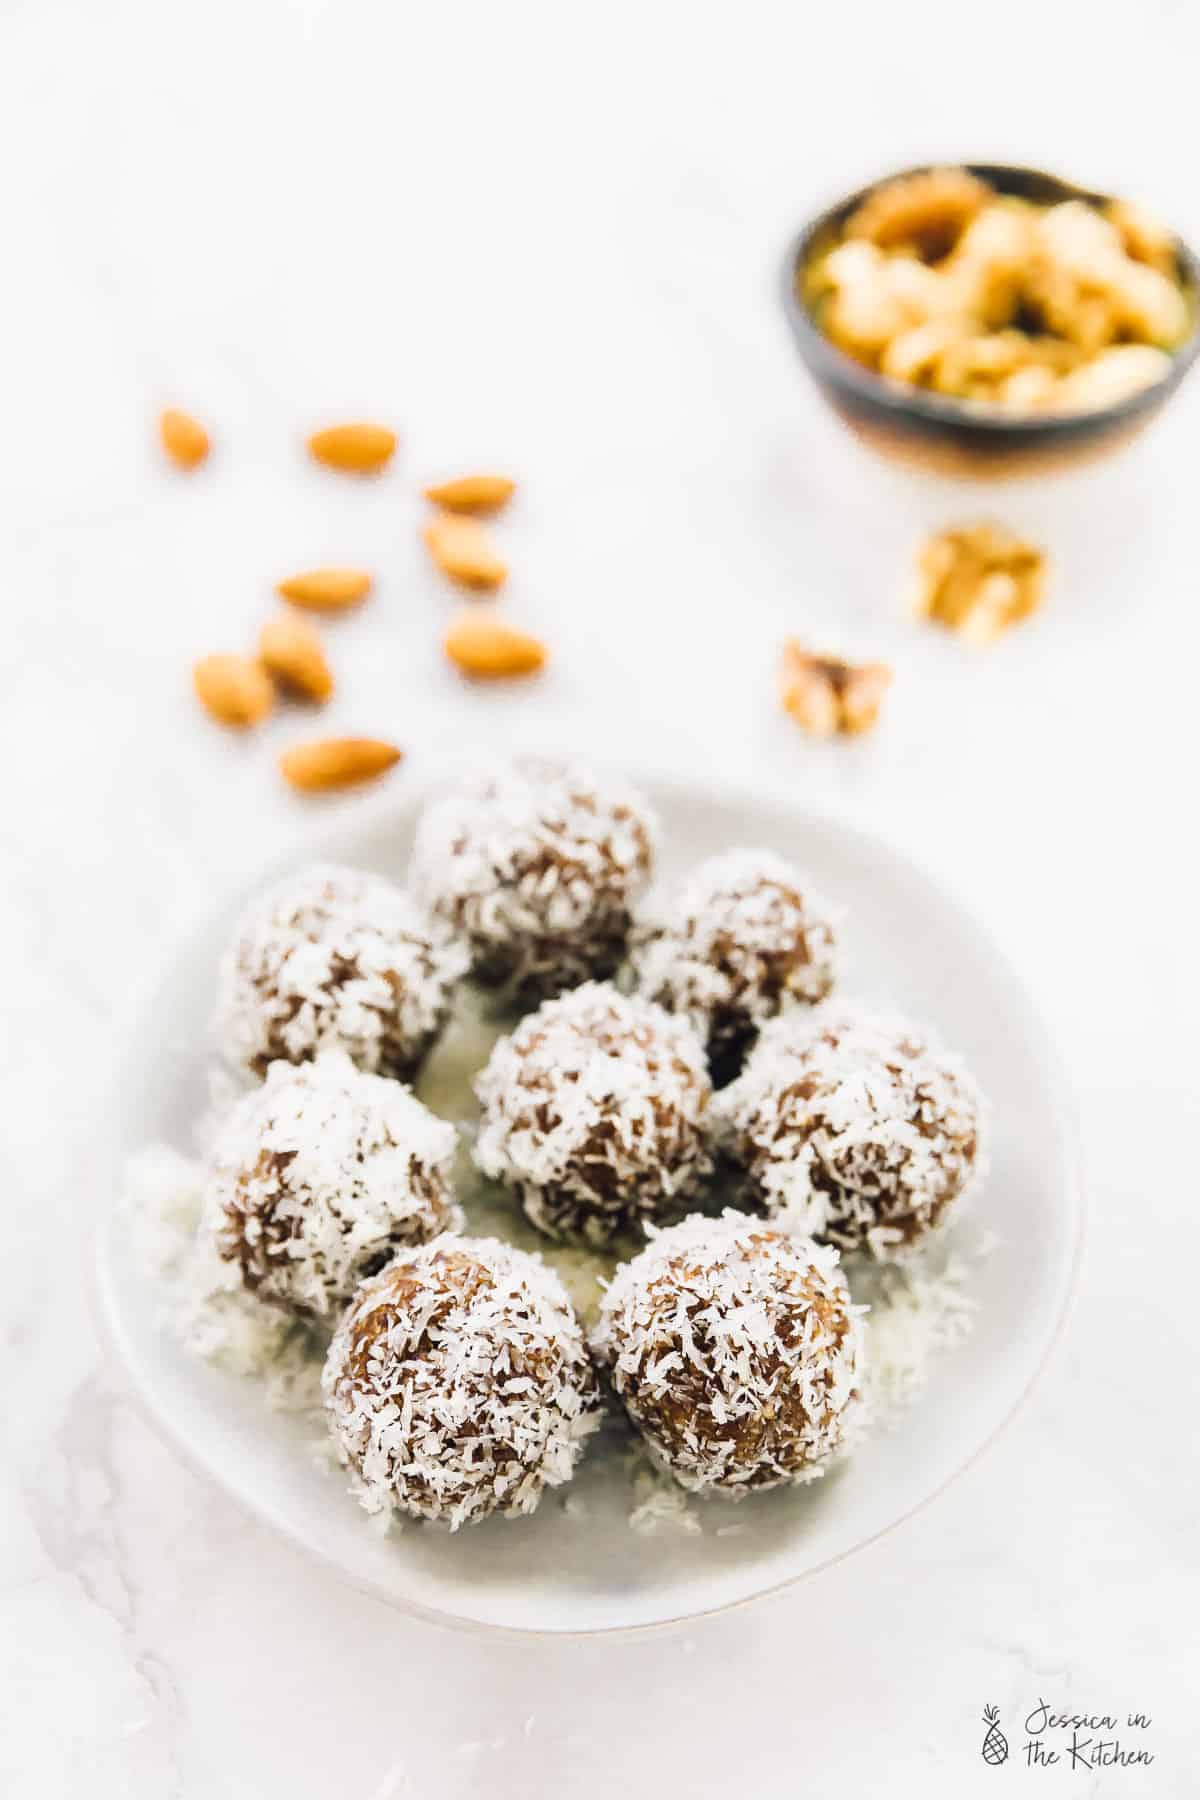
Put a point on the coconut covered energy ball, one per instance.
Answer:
(736, 1352)
(745, 938)
(595, 1112)
(459, 1384)
(537, 865)
(861, 1130)
(320, 1175)
(335, 958)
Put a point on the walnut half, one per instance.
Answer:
(826, 695)
(978, 580)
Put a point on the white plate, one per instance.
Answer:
(907, 944)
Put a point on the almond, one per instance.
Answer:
(485, 648)
(292, 652)
(326, 590)
(358, 449)
(184, 439)
(460, 548)
(473, 493)
(234, 689)
(336, 762)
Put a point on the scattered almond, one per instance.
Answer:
(336, 763)
(326, 590)
(292, 652)
(473, 493)
(825, 695)
(356, 449)
(486, 649)
(184, 439)
(234, 689)
(460, 548)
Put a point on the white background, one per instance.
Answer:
(546, 238)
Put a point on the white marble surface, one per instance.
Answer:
(548, 238)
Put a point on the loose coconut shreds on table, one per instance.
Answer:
(745, 938)
(736, 1351)
(538, 865)
(855, 1128)
(458, 1383)
(320, 1175)
(335, 958)
(595, 1112)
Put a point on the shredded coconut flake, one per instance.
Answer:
(320, 1175)
(921, 1311)
(659, 1503)
(595, 1112)
(335, 958)
(537, 865)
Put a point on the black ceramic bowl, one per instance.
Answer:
(947, 435)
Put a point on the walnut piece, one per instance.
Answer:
(825, 695)
(978, 580)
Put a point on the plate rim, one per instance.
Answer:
(360, 815)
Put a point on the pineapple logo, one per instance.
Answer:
(995, 1744)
